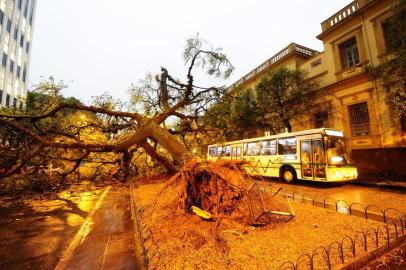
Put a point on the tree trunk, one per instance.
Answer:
(287, 125)
(170, 143)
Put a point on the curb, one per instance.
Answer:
(372, 255)
(84, 230)
(381, 185)
(140, 251)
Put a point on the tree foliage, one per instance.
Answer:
(108, 132)
(283, 96)
(280, 97)
(393, 72)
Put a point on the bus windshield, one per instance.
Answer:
(336, 150)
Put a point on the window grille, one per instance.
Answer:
(359, 117)
(349, 53)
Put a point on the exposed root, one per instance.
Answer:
(225, 190)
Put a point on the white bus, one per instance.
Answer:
(315, 154)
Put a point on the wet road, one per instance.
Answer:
(39, 234)
(384, 198)
(34, 234)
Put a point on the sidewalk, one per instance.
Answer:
(383, 182)
(110, 243)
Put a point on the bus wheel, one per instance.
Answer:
(288, 175)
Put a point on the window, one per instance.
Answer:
(403, 123)
(20, 2)
(268, 148)
(27, 47)
(11, 66)
(4, 60)
(321, 119)
(8, 28)
(24, 75)
(227, 151)
(359, 119)
(287, 146)
(1, 16)
(15, 103)
(387, 32)
(26, 9)
(21, 105)
(15, 32)
(7, 100)
(349, 53)
(18, 71)
(212, 151)
(22, 40)
(252, 149)
(1, 96)
(32, 11)
(316, 63)
(219, 151)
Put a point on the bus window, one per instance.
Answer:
(212, 151)
(253, 149)
(219, 151)
(227, 151)
(268, 148)
(287, 146)
(318, 159)
(336, 150)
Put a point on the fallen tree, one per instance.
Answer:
(57, 129)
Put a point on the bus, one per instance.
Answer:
(315, 155)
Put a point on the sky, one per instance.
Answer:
(98, 46)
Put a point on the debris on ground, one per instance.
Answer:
(177, 238)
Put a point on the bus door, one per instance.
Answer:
(236, 152)
(313, 159)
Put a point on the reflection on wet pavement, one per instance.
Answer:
(34, 234)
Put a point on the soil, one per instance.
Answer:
(178, 240)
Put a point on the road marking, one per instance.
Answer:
(82, 233)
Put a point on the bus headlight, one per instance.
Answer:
(337, 159)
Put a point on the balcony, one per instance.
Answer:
(284, 53)
(344, 13)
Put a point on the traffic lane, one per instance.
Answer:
(351, 193)
(34, 234)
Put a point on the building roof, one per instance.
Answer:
(286, 52)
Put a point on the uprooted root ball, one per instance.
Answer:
(224, 189)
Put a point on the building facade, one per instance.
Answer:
(354, 42)
(16, 27)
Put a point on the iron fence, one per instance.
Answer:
(347, 249)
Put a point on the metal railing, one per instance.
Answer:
(347, 249)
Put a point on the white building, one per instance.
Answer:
(16, 24)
